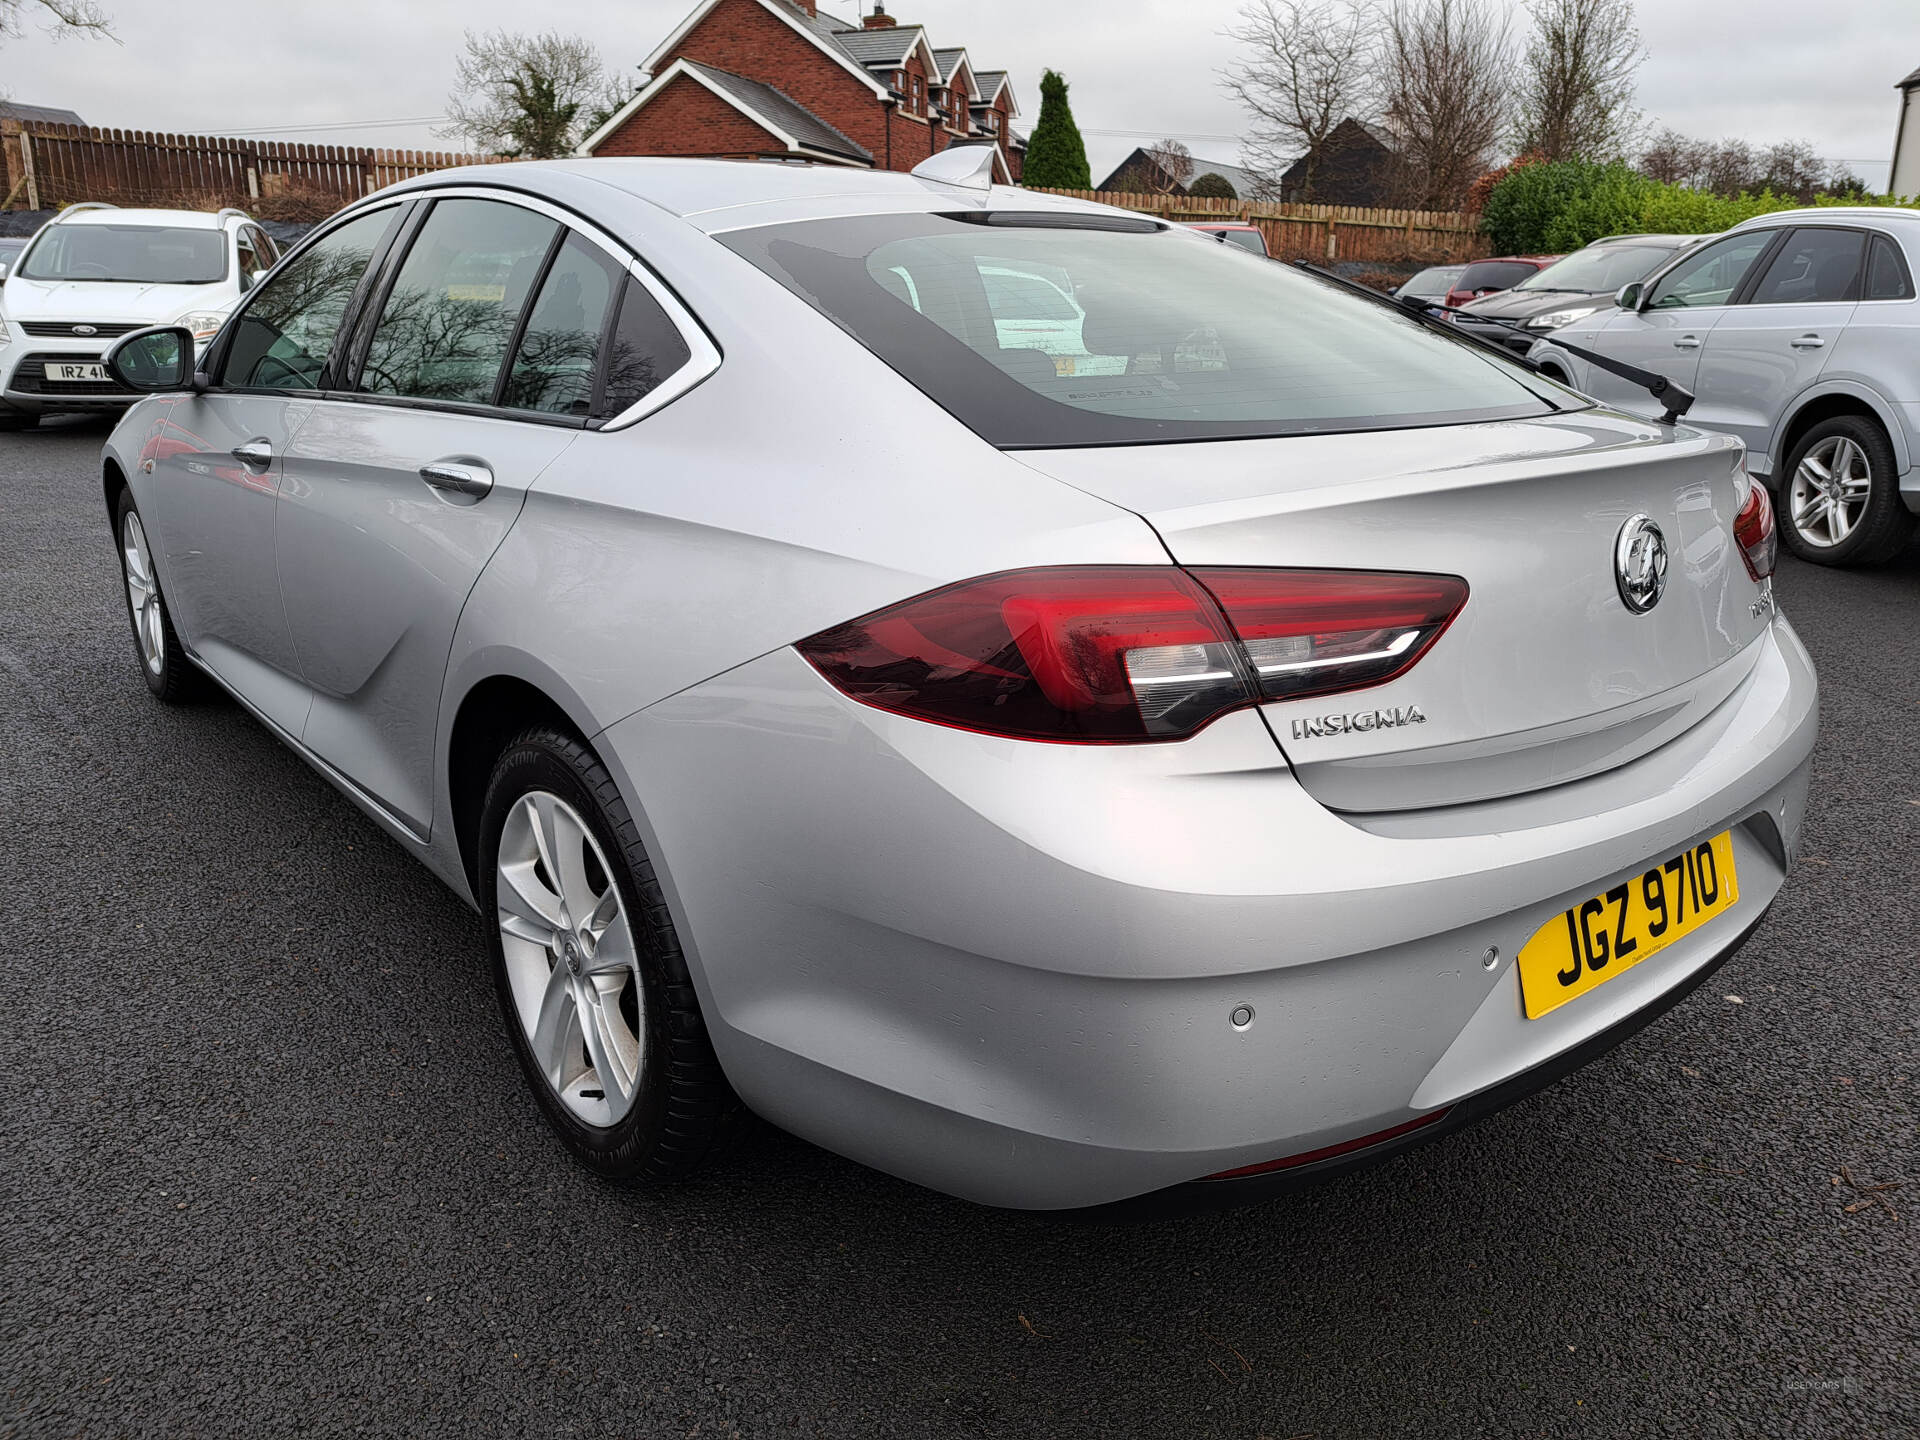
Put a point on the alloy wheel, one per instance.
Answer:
(143, 593)
(1831, 488)
(570, 958)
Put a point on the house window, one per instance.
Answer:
(919, 96)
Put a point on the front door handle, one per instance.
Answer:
(1807, 342)
(1687, 342)
(255, 454)
(462, 477)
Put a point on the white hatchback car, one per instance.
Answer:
(1797, 332)
(95, 272)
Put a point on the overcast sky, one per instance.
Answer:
(1763, 70)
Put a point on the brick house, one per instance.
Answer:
(783, 80)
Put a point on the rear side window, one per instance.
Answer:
(1494, 275)
(447, 322)
(289, 325)
(1887, 277)
(554, 364)
(1813, 267)
(647, 348)
(1710, 276)
(1126, 332)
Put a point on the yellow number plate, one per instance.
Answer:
(1591, 943)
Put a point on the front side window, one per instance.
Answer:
(450, 316)
(1887, 277)
(128, 254)
(288, 328)
(1815, 266)
(1149, 335)
(249, 260)
(554, 365)
(1710, 276)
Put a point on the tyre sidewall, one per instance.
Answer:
(176, 679)
(534, 763)
(1884, 525)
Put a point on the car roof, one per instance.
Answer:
(1855, 213)
(1640, 238)
(716, 195)
(1220, 225)
(177, 219)
(1521, 259)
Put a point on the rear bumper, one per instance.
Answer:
(1009, 971)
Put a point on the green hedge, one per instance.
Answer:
(1548, 207)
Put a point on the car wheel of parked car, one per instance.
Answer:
(1842, 501)
(593, 984)
(170, 674)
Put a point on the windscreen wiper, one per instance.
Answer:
(1677, 398)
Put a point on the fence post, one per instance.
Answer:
(26, 166)
(250, 161)
(1333, 240)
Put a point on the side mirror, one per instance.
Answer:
(1628, 296)
(153, 361)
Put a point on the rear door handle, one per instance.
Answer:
(1807, 342)
(1686, 342)
(462, 477)
(256, 454)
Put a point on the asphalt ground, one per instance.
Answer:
(267, 1166)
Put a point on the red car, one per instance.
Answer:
(1503, 272)
(1232, 232)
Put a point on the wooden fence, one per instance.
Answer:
(47, 166)
(1322, 232)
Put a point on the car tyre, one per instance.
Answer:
(626, 1074)
(169, 674)
(1839, 501)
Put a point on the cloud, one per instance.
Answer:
(1761, 69)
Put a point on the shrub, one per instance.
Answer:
(1213, 187)
(1547, 208)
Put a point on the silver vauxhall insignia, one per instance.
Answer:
(1020, 694)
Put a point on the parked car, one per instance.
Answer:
(1484, 277)
(10, 248)
(1247, 237)
(1799, 333)
(94, 272)
(1433, 283)
(1051, 788)
(1572, 289)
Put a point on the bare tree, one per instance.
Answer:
(1173, 166)
(61, 17)
(1306, 66)
(1575, 97)
(528, 95)
(1448, 75)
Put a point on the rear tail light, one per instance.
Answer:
(1114, 654)
(1753, 529)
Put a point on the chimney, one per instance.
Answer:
(879, 19)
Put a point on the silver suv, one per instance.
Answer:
(1799, 332)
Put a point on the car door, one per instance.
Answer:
(216, 468)
(468, 384)
(1669, 329)
(1774, 343)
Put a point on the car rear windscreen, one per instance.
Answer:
(1493, 275)
(1052, 329)
(134, 254)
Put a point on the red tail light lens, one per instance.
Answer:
(1753, 529)
(1128, 653)
(1309, 632)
